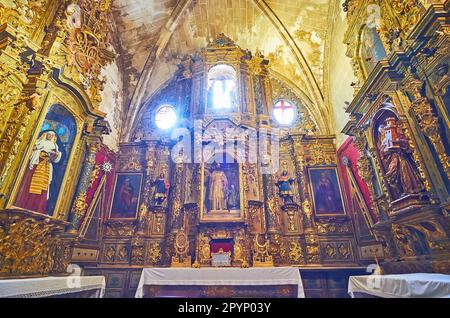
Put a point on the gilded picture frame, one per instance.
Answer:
(326, 192)
(126, 196)
(56, 96)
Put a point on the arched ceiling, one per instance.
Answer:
(153, 34)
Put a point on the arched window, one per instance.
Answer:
(284, 112)
(165, 117)
(222, 88)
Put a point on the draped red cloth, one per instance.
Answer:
(225, 246)
(349, 150)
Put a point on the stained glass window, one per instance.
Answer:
(284, 112)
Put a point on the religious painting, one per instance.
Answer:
(326, 191)
(127, 191)
(221, 192)
(45, 168)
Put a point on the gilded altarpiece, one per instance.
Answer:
(222, 200)
(399, 121)
(50, 128)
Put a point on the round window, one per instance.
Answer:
(165, 117)
(284, 113)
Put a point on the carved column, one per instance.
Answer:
(88, 176)
(176, 211)
(428, 120)
(312, 246)
(248, 94)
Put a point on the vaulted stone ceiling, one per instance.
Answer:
(153, 34)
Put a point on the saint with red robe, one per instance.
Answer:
(35, 187)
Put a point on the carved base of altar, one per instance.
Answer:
(271, 282)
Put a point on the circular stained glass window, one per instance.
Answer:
(165, 117)
(284, 113)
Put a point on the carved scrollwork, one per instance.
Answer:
(333, 227)
(428, 121)
(119, 228)
(295, 252)
(154, 253)
(31, 246)
(403, 240)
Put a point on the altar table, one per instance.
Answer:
(418, 285)
(64, 287)
(221, 282)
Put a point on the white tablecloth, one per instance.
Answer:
(51, 286)
(401, 286)
(263, 276)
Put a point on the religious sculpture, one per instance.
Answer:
(285, 187)
(218, 191)
(233, 198)
(395, 152)
(162, 186)
(39, 174)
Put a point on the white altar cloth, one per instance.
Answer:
(262, 276)
(401, 286)
(51, 286)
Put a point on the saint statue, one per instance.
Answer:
(233, 198)
(285, 187)
(218, 191)
(395, 153)
(39, 173)
(162, 186)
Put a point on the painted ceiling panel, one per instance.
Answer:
(141, 22)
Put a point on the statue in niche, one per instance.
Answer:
(233, 198)
(285, 187)
(39, 175)
(218, 190)
(221, 189)
(395, 153)
(162, 186)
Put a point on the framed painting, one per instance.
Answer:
(126, 196)
(326, 191)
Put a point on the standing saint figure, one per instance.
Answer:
(233, 198)
(285, 187)
(39, 174)
(162, 186)
(218, 191)
(395, 153)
